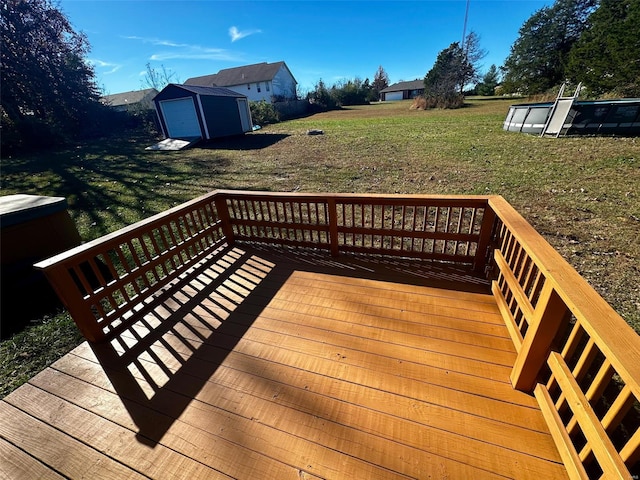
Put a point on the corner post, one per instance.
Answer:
(549, 316)
(80, 310)
(486, 229)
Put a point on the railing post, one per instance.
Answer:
(333, 226)
(223, 214)
(549, 314)
(66, 289)
(488, 220)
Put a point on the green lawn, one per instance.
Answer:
(581, 193)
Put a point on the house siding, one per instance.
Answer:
(283, 84)
(403, 91)
(252, 93)
(257, 82)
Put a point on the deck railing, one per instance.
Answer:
(581, 359)
(105, 282)
(108, 281)
(416, 226)
(577, 355)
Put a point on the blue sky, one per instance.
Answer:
(332, 40)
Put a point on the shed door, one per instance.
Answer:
(245, 114)
(181, 118)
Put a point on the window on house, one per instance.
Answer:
(258, 86)
(248, 86)
(267, 85)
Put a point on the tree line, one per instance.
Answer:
(348, 92)
(49, 92)
(593, 42)
(596, 42)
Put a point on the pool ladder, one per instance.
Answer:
(560, 112)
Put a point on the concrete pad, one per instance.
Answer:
(173, 144)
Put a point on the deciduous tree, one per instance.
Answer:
(46, 84)
(158, 78)
(474, 54)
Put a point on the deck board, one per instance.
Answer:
(273, 365)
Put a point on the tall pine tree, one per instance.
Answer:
(540, 55)
(443, 83)
(607, 56)
(380, 82)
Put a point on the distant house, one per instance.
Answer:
(262, 81)
(128, 101)
(402, 91)
(191, 111)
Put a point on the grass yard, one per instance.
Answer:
(581, 193)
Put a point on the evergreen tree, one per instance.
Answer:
(489, 82)
(48, 90)
(607, 56)
(320, 98)
(351, 92)
(443, 83)
(380, 82)
(539, 56)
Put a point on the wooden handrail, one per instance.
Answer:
(573, 349)
(107, 281)
(436, 227)
(104, 282)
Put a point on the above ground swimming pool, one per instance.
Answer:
(606, 117)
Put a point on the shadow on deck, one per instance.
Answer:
(213, 308)
(276, 363)
(211, 359)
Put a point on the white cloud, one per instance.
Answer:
(184, 50)
(236, 34)
(112, 67)
(157, 41)
(195, 52)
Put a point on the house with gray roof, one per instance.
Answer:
(402, 91)
(138, 100)
(262, 81)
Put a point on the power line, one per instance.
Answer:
(464, 28)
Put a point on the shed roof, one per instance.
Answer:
(258, 72)
(202, 90)
(401, 86)
(129, 98)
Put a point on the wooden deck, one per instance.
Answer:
(268, 365)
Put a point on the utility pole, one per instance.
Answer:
(464, 36)
(464, 27)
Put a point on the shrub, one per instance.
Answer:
(263, 113)
(321, 99)
(445, 101)
(30, 133)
